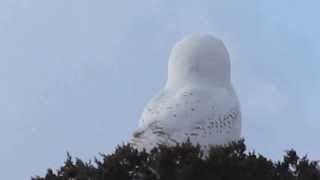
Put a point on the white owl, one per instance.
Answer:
(198, 101)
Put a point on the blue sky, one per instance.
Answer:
(75, 75)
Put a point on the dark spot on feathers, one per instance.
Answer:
(138, 134)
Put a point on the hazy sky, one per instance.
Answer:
(76, 74)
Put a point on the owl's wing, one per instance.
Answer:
(194, 112)
(187, 113)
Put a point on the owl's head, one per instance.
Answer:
(199, 59)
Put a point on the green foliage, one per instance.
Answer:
(187, 162)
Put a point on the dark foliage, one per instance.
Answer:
(187, 162)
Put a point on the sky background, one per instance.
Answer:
(76, 74)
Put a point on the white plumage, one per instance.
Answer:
(198, 101)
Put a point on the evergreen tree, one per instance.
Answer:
(187, 162)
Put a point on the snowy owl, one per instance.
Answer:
(198, 101)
